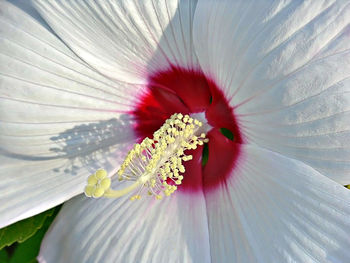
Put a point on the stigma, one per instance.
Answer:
(154, 166)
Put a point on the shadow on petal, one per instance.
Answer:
(86, 145)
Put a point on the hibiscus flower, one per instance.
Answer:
(83, 81)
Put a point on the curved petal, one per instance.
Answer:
(285, 67)
(58, 118)
(276, 209)
(174, 229)
(125, 40)
(315, 130)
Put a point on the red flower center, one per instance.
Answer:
(184, 91)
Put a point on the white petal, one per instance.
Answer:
(285, 67)
(174, 229)
(315, 130)
(276, 209)
(125, 40)
(59, 119)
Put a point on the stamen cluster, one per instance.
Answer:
(155, 164)
(159, 160)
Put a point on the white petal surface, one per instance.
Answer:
(174, 229)
(276, 209)
(284, 65)
(125, 40)
(59, 119)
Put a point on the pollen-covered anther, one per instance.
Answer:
(155, 166)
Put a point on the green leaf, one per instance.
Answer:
(227, 133)
(27, 251)
(4, 256)
(24, 229)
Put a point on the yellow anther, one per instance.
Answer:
(180, 152)
(98, 192)
(135, 197)
(179, 161)
(92, 180)
(105, 183)
(154, 162)
(153, 183)
(100, 174)
(182, 169)
(89, 190)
